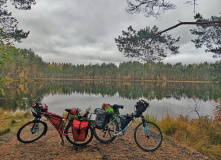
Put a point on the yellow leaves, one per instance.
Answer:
(21, 87)
(9, 74)
(127, 77)
(194, 66)
(158, 78)
(22, 74)
(148, 97)
(60, 67)
(164, 84)
(127, 83)
(164, 78)
(40, 74)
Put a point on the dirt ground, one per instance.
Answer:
(49, 148)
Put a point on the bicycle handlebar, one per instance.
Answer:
(117, 106)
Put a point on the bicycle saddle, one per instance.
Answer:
(71, 110)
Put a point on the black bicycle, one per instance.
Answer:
(147, 135)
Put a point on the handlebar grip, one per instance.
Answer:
(118, 106)
(121, 106)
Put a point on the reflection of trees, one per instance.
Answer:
(217, 115)
(19, 94)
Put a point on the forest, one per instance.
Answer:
(25, 64)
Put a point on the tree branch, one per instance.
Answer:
(189, 23)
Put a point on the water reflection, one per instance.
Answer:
(166, 99)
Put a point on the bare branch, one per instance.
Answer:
(149, 7)
(189, 23)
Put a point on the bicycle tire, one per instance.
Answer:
(31, 131)
(69, 136)
(102, 134)
(151, 137)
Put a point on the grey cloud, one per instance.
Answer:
(84, 31)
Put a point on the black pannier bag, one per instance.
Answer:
(101, 117)
(125, 120)
(140, 108)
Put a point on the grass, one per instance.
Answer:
(10, 121)
(203, 134)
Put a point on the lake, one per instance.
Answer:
(173, 99)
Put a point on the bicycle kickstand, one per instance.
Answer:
(62, 140)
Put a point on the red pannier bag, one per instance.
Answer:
(80, 130)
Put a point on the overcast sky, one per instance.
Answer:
(83, 31)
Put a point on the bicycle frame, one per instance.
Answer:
(63, 122)
(125, 128)
(118, 119)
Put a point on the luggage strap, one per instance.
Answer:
(79, 131)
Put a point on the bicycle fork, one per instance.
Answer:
(147, 131)
(146, 128)
(35, 129)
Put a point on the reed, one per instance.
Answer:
(202, 134)
(10, 121)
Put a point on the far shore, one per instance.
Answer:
(114, 80)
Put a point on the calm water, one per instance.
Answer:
(172, 99)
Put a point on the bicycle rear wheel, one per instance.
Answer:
(148, 138)
(106, 135)
(70, 138)
(31, 131)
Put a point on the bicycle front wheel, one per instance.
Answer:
(107, 134)
(70, 138)
(148, 138)
(31, 131)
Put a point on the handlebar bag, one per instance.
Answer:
(140, 108)
(80, 130)
(101, 117)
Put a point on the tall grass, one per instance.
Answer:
(202, 134)
(10, 121)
